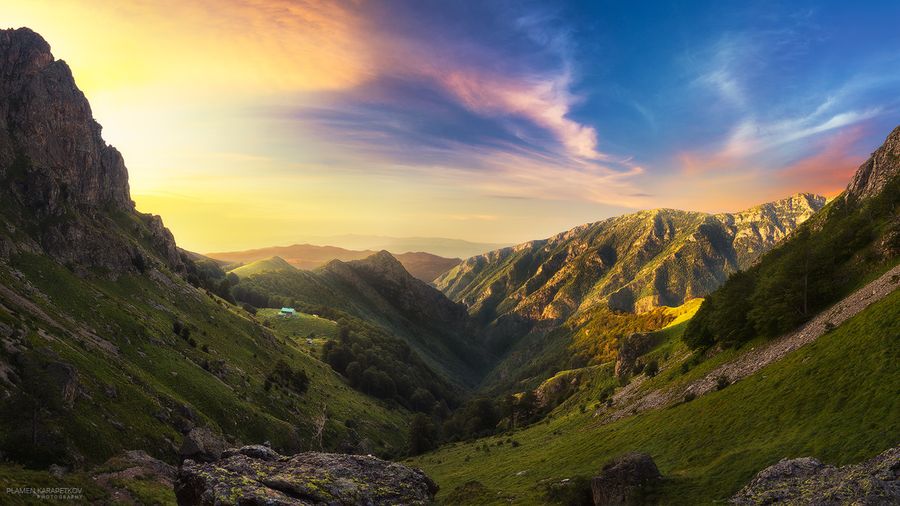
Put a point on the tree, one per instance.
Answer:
(423, 434)
(422, 400)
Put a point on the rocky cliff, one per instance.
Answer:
(878, 170)
(65, 191)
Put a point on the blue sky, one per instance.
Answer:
(493, 121)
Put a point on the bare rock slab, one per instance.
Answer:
(258, 475)
(808, 481)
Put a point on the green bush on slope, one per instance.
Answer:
(827, 257)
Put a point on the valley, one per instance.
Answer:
(715, 344)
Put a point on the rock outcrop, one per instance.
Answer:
(630, 348)
(259, 475)
(202, 444)
(878, 170)
(67, 189)
(808, 481)
(625, 480)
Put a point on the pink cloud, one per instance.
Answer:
(545, 101)
(829, 169)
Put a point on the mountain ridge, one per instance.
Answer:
(754, 229)
(379, 290)
(423, 265)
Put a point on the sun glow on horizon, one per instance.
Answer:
(246, 123)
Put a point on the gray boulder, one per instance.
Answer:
(808, 481)
(202, 444)
(257, 475)
(625, 480)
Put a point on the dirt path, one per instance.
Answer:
(630, 400)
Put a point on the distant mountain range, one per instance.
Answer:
(441, 246)
(425, 266)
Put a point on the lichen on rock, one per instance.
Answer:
(259, 475)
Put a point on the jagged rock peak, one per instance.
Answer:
(51, 143)
(25, 51)
(883, 166)
(66, 191)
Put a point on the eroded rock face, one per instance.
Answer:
(624, 480)
(879, 169)
(259, 475)
(48, 123)
(634, 262)
(65, 189)
(808, 481)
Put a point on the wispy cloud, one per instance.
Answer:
(751, 138)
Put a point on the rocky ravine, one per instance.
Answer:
(258, 475)
(633, 399)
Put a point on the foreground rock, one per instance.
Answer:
(202, 444)
(808, 481)
(258, 475)
(134, 470)
(625, 480)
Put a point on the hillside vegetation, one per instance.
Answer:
(852, 240)
(379, 292)
(113, 338)
(565, 301)
(273, 264)
(834, 400)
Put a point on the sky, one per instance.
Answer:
(250, 123)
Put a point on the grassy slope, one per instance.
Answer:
(537, 356)
(299, 327)
(321, 288)
(834, 399)
(156, 370)
(274, 264)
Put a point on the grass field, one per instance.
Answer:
(299, 328)
(835, 400)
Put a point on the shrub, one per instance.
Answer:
(638, 368)
(721, 382)
(575, 491)
(606, 393)
(284, 376)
